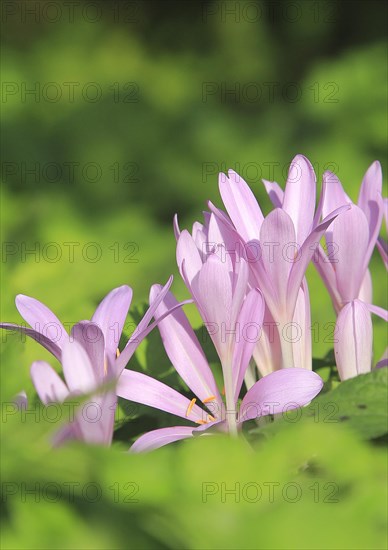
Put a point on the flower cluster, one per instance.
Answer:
(245, 273)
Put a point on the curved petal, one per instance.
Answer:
(37, 336)
(275, 193)
(159, 438)
(187, 252)
(213, 293)
(89, 335)
(241, 205)
(138, 387)
(350, 228)
(183, 348)
(48, 384)
(267, 353)
(280, 391)
(142, 330)
(353, 340)
(299, 196)
(278, 241)
(379, 311)
(41, 319)
(306, 252)
(110, 316)
(251, 317)
(80, 375)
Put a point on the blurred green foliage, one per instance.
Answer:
(187, 90)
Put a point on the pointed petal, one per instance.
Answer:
(278, 242)
(241, 205)
(183, 348)
(280, 391)
(372, 204)
(110, 316)
(49, 386)
(250, 322)
(41, 319)
(188, 253)
(379, 311)
(37, 336)
(138, 387)
(371, 187)
(213, 293)
(349, 228)
(159, 438)
(142, 330)
(306, 252)
(353, 345)
(90, 337)
(275, 193)
(299, 196)
(79, 373)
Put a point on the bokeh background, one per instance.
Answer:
(116, 115)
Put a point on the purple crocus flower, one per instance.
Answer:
(288, 388)
(280, 246)
(351, 238)
(88, 374)
(350, 243)
(109, 316)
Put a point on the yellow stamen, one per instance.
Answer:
(210, 418)
(223, 391)
(211, 398)
(191, 405)
(105, 366)
(117, 352)
(201, 422)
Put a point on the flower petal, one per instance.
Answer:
(183, 348)
(306, 252)
(159, 438)
(275, 193)
(138, 387)
(280, 391)
(299, 196)
(110, 316)
(251, 316)
(142, 330)
(353, 340)
(37, 336)
(278, 245)
(213, 293)
(41, 319)
(48, 384)
(241, 205)
(79, 372)
(89, 335)
(187, 253)
(301, 347)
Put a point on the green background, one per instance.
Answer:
(185, 90)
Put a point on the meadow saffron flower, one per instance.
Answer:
(88, 373)
(280, 246)
(288, 388)
(351, 238)
(109, 316)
